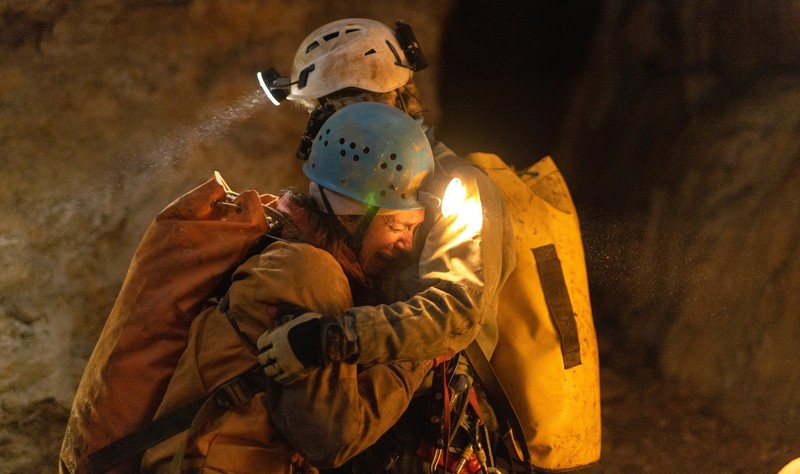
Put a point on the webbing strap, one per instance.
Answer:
(366, 220)
(557, 298)
(233, 393)
(151, 434)
(446, 414)
(498, 399)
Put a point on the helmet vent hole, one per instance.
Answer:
(399, 167)
(356, 158)
(331, 36)
(352, 146)
(342, 153)
(365, 150)
(393, 156)
(383, 193)
(326, 143)
(312, 46)
(384, 166)
(341, 141)
(403, 196)
(371, 51)
(351, 30)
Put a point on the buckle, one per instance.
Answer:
(239, 391)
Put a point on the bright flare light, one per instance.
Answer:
(454, 197)
(266, 89)
(466, 209)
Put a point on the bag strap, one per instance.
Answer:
(514, 435)
(233, 393)
(556, 296)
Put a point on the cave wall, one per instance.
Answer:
(734, 333)
(683, 139)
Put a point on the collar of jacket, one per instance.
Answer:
(299, 218)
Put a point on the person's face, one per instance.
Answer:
(387, 238)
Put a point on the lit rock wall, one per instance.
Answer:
(109, 110)
(685, 134)
(726, 246)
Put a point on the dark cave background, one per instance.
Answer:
(507, 73)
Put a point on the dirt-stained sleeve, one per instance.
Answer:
(295, 274)
(338, 411)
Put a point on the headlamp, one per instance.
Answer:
(408, 41)
(432, 190)
(274, 85)
(449, 195)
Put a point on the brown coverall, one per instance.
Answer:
(349, 408)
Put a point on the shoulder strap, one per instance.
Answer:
(507, 418)
(234, 393)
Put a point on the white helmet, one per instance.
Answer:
(354, 52)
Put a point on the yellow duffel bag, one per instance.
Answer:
(546, 357)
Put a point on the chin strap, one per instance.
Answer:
(372, 211)
(325, 201)
(355, 241)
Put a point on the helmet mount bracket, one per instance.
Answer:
(408, 41)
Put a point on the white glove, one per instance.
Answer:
(281, 353)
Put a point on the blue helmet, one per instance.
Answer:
(373, 153)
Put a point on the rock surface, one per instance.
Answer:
(684, 137)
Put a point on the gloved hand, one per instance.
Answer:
(291, 350)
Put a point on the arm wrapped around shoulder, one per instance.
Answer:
(336, 412)
(293, 274)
